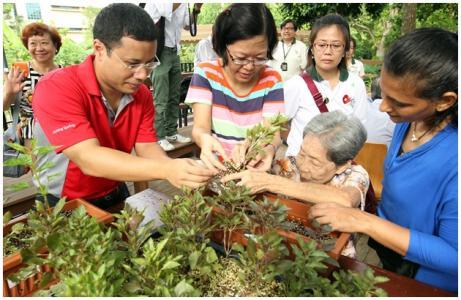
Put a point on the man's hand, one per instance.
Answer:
(188, 172)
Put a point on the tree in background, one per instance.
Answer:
(376, 25)
(209, 12)
(409, 21)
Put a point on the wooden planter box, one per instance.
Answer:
(298, 212)
(13, 262)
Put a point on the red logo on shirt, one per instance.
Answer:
(346, 99)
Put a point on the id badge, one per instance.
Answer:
(284, 66)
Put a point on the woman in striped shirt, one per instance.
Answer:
(43, 43)
(238, 90)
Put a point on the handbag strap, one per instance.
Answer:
(315, 92)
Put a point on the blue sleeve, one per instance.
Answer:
(440, 250)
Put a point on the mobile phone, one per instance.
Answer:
(23, 66)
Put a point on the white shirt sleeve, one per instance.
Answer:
(361, 69)
(292, 94)
(304, 56)
(158, 10)
(300, 108)
(360, 101)
(200, 52)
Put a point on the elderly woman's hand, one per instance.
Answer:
(262, 162)
(256, 181)
(339, 217)
(210, 148)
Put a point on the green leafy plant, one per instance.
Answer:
(187, 223)
(256, 139)
(43, 220)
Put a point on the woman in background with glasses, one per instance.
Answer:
(340, 90)
(238, 91)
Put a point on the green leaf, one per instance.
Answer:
(17, 147)
(170, 265)
(45, 166)
(18, 186)
(26, 255)
(381, 279)
(259, 254)
(331, 261)
(21, 160)
(7, 217)
(133, 286)
(47, 276)
(193, 259)
(139, 261)
(42, 150)
(53, 240)
(58, 207)
(211, 255)
(183, 288)
(39, 205)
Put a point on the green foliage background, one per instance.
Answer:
(366, 22)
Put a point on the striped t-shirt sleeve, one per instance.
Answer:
(199, 88)
(274, 100)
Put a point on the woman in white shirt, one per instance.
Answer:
(340, 90)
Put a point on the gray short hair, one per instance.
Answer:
(342, 136)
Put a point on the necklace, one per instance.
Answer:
(414, 138)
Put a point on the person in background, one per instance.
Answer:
(204, 51)
(354, 65)
(43, 43)
(238, 90)
(340, 90)
(331, 141)
(290, 55)
(98, 111)
(415, 231)
(380, 127)
(167, 77)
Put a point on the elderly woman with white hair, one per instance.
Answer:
(327, 173)
(331, 141)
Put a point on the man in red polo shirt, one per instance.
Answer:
(98, 111)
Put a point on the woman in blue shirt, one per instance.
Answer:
(415, 231)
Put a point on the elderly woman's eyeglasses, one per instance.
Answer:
(321, 47)
(136, 67)
(242, 62)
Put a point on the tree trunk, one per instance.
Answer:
(409, 18)
(387, 26)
